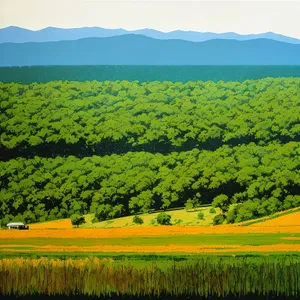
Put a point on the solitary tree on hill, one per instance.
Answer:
(77, 220)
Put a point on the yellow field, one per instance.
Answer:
(292, 219)
(144, 231)
(14, 240)
(59, 224)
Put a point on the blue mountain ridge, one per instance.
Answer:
(140, 50)
(20, 35)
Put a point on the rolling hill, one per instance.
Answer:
(180, 217)
(141, 50)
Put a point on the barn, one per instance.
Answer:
(17, 225)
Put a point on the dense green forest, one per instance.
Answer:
(117, 148)
(63, 118)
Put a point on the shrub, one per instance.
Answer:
(138, 220)
(153, 222)
(164, 219)
(212, 210)
(200, 215)
(77, 220)
(218, 220)
(179, 221)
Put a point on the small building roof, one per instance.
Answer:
(15, 224)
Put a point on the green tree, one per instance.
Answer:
(102, 212)
(222, 202)
(192, 203)
(232, 215)
(77, 220)
(164, 219)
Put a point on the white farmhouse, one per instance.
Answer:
(17, 225)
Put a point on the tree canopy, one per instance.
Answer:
(260, 179)
(118, 148)
(101, 118)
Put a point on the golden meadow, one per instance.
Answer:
(206, 276)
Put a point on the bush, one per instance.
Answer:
(212, 211)
(218, 220)
(138, 220)
(164, 219)
(200, 215)
(77, 220)
(178, 221)
(153, 222)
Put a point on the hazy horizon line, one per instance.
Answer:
(149, 28)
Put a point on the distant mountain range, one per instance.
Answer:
(50, 34)
(140, 50)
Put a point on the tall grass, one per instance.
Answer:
(209, 276)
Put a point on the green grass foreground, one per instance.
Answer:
(206, 277)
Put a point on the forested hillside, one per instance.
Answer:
(117, 148)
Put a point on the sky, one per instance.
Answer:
(240, 16)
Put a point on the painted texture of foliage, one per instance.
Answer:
(117, 148)
(111, 117)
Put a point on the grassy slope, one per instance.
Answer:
(184, 217)
(178, 217)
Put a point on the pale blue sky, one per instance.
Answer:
(216, 16)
